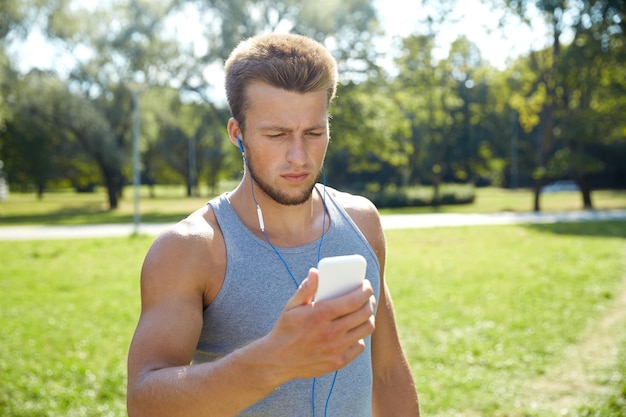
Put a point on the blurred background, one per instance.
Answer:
(504, 93)
(509, 105)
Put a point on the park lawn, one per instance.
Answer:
(170, 205)
(68, 311)
(482, 313)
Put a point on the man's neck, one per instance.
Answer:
(285, 225)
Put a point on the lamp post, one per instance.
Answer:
(136, 167)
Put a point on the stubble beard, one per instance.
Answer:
(278, 195)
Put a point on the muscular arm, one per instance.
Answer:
(394, 392)
(308, 340)
(160, 380)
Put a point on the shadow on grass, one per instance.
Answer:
(86, 214)
(613, 228)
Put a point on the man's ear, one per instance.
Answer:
(234, 131)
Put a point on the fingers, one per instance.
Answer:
(306, 291)
(318, 337)
(344, 341)
(351, 319)
(349, 303)
(359, 324)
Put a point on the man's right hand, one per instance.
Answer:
(313, 338)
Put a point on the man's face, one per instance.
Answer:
(286, 137)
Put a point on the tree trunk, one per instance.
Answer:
(537, 194)
(587, 204)
(112, 192)
(189, 188)
(585, 190)
(113, 186)
(436, 193)
(40, 190)
(550, 109)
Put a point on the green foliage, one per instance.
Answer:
(551, 114)
(12, 17)
(367, 133)
(39, 143)
(559, 99)
(395, 197)
(348, 27)
(449, 106)
(183, 142)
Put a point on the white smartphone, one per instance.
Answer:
(339, 275)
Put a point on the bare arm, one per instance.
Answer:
(394, 392)
(308, 340)
(160, 380)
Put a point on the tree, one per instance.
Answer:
(13, 18)
(444, 103)
(593, 94)
(478, 153)
(52, 132)
(11, 23)
(138, 51)
(8, 79)
(605, 20)
(348, 28)
(124, 56)
(83, 122)
(415, 88)
(182, 140)
(30, 142)
(368, 136)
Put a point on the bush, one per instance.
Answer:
(395, 197)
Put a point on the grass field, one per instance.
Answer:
(516, 321)
(170, 205)
(67, 314)
(490, 316)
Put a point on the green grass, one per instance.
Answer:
(67, 315)
(70, 208)
(483, 312)
(170, 205)
(495, 200)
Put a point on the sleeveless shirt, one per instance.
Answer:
(256, 288)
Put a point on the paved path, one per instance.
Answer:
(396, 221)
(455, 219)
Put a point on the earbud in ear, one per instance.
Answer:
(240, 144)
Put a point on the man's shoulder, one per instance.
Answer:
(198, 236)
(354, 204)
(366, 217)
(361, 210)
(200, 225)
(188, 256)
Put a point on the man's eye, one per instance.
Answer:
(275, 136)
(316, 134)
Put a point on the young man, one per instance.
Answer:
(228, 324)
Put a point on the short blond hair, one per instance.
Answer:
(288, 61)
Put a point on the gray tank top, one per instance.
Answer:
(256, 288)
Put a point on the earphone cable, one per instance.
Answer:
(295, 281)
